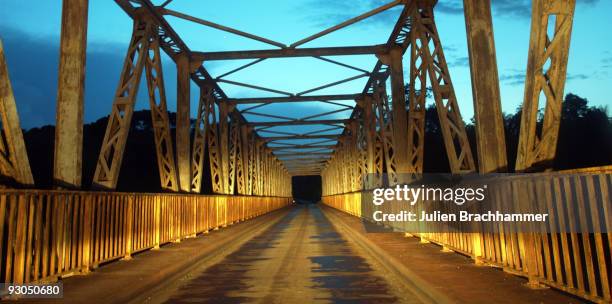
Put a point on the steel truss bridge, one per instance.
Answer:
(49, 234)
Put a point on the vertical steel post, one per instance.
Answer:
(117, 129)
(164, 150)
(13, 155)
(490, 137)
(398, 100)
(67, 161)
(417, 99)
(183, 123)
(545, 80)
(224, 143)
(244, 141)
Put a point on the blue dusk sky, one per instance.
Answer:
(30, 34)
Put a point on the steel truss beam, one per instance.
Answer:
(417, 91)
(302, 147)
(279, 155)
(14, 163)
(234, 157)
(303, 157)
(205, 107)
(159, 118)
(346, 23)
(221, 27)
(387, 149)
(284, 53)
(183, 122)
(298, 122)
(490, 137)
(296, 137)
(68, 155)
(261, 163)
(113, 145)
(453, 128)
(300, 98)
(143, 52)
(224, 145)
(546, 75)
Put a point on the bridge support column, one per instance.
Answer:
(386, 147)
(398, 99)
(234, 149)
(546, 75)
(14, 161)
(244, 150)
(490, 137)
(369, 130)
(453, 128)
(416, 101)
(370, 133)
(113, 145)
(183, 123)
(159, 117)
(67, 161)
(224, 110)
(199, 139)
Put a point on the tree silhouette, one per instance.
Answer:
(585, 140)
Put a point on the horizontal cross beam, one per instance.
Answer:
(306, 158)
(283, 53)
(298, 122)
(300, 98)
(301, 154)
(298, 147)
(275, 138)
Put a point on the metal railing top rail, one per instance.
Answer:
(55, 191)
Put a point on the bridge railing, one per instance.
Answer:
(49, 234)
(575, 262)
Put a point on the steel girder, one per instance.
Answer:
(142, 52)
(545, 81)
(453, 128)
(14, 163)
(113, 145)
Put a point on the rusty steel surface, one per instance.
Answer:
(398, 144)
(70, 95)
(14, 163)
(491, 143)
(175, 47)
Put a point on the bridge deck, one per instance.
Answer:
(304, 254)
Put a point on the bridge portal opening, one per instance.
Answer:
(306, 189)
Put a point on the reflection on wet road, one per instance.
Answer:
(300, 259)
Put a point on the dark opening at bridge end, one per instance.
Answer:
(306, 189)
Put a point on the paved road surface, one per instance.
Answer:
(300, 259)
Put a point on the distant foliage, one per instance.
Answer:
(585, 140)
(585, 137)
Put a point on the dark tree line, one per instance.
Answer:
(585, 140)
(585, 137)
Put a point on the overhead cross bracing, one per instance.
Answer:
(378, 130)
(268, 126)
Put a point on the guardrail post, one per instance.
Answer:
(20, 239)
(157, 228)
(87, 232)
(477, 248)
(225, 213)
(531, 261)
(129, 218)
